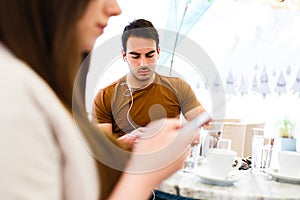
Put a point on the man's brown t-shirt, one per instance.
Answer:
(126, 110)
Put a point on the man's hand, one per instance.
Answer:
(128, 141)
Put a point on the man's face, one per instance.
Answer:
(141, 56)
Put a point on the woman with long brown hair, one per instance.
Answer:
(44, 155)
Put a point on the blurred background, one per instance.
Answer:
(254, 44)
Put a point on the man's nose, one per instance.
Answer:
(143, 61)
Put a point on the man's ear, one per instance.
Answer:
(158, 51)
(124, 55)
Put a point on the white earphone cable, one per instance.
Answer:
(125, 93)
(128, 115)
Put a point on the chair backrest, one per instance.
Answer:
(240, 132)
(236, 133)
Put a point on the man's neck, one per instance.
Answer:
(136, 84)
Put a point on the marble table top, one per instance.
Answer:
(250, 185)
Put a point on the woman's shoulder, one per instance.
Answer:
(26, 94)
(32, 114)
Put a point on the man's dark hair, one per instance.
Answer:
(140, 28)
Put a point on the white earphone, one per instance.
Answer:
(131, 96)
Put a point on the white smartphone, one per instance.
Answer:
(196, 123)
(187, 132)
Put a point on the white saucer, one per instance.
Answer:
(282, 178)
(217, 181)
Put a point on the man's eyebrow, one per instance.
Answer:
(134, 53)
(138, 54)
(150, 52)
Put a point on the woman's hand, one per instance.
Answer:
(155, 157)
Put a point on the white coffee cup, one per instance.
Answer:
(289, 163)
(219, 163)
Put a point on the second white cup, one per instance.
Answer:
(289, 162)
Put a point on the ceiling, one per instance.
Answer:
(289, 4)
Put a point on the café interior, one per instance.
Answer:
(254, 45)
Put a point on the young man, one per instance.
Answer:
(142, 95)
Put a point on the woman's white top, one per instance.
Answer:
(41, 154)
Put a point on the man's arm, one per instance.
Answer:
(106, 128)
(126, 141)
(191, 114)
